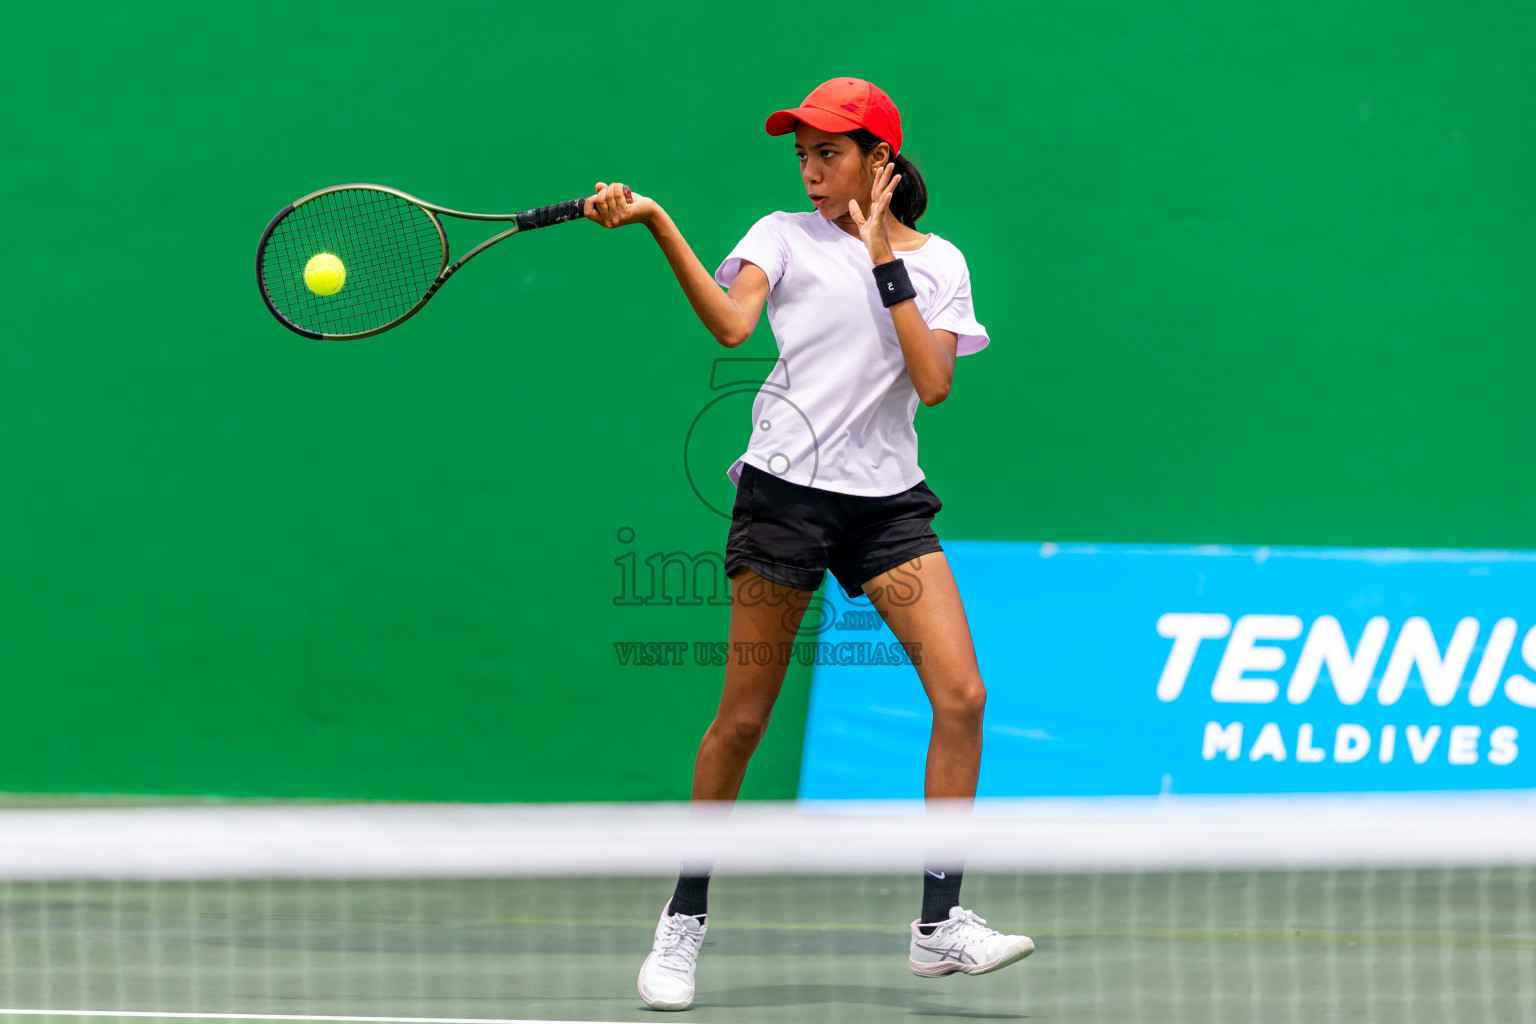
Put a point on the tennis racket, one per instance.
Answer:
(353, 260)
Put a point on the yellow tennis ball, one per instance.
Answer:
(324, 274)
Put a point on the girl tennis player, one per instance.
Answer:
(869, 315)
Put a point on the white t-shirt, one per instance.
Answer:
(837, 411)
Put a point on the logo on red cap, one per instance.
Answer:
(841, 105)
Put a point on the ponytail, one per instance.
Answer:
(911, 197)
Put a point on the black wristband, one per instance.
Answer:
(893, 283)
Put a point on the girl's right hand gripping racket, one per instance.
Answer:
(353, 260)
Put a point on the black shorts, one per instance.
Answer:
(791, 534)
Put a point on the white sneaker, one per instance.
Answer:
(666, 977)
(965, 944)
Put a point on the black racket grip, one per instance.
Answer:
(544, 216)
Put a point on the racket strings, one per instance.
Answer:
(393, 268)
(390, 247)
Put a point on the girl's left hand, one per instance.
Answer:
(872, 227)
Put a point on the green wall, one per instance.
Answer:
(1252, 275)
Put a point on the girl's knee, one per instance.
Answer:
(965, 699)
(741, 731)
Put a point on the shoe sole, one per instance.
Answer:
(940, 968)
(657, 1005)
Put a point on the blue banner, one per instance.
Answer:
(1135, 669)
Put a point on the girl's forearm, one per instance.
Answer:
(929, 363)
(718, 310)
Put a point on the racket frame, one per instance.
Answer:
(445, 269)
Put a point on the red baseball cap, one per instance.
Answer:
(841, 105)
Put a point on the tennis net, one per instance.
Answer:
(1294, 910)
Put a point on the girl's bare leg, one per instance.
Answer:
(920, 601)
(761, 612)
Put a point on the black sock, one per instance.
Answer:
(692, 895)
(941, 891)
